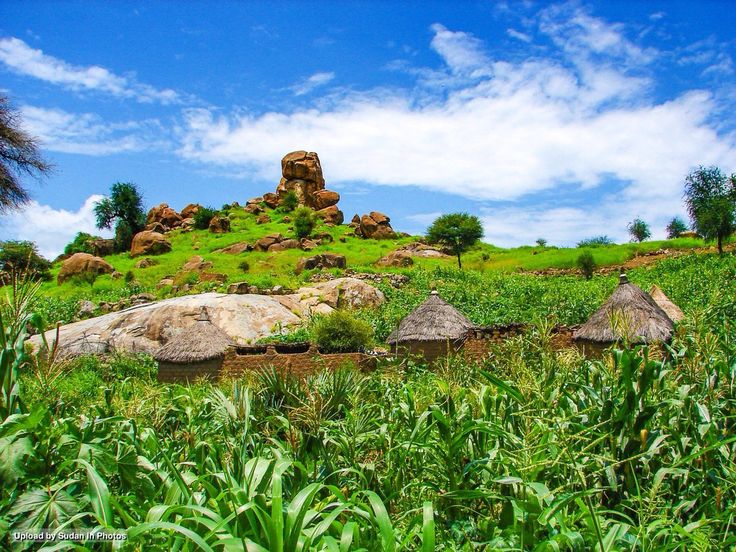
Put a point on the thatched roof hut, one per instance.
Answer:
(630, 313)
(202, 345)
(666, 304)
(433, 320)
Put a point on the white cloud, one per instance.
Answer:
(310, 83)
(25, 60)
(87, 133)
(504, 131)
(51, 229)
(513, 33)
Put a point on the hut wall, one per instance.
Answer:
(301, 364)
(169, 372)
(480, 340)
(430, 350)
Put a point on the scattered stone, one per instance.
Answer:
(83, 264)
(236, 249)
(290, 244)
(331, 215)
(263, 219)
(149, 243)
(219, 225)
(306, 244)
(145, 263)
(375, 226)
(254, 201)
(101, 247)
(271, 200)
(396, 259)
(267, 241)
(213, 277)
(324, 238)
(189, 211)
(254, 209)
(164, 215)
(196, 263)
(116, 275)
(325, 260)
(165, 282)
(240, 288)
(87, 308)
(286, 219)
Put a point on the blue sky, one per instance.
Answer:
(555, 120)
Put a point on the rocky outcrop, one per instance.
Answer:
(325, 198)
(101, 247)
(399, 259)
(271, 200)
(83, 264)
(196, 263)
(267, 241)
(236, 248)
(245, 318)
(263, 219)
(374, 226)
(325, 260)
(331, 215)
(164, 215)
(190, 210)
(219, 225)
(149, 243)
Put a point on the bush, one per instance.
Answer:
(203, 217)
(639, 230)
(596, 241)
(80, 244)
(339, 332)
(290, 201)
(304, 222)
(244, 266)
(22, 256)
(129, 277)
(541, 242)
(676, 227)
(586, 263)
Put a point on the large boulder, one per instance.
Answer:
(267, 241)
(325, 198)
(396, 259)
(190, 210)
(83, 264)
(101, 247)
(331, 215)
(149, 243)
(271, 200)
(196, 263)
(375, 226)
(236, 248)
(325, 260)
(219, 225)
(164, 215)
(302, 165)
(245, 318)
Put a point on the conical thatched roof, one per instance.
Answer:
(199, 342)
(664, 302)
(629, 313)
(433, 320)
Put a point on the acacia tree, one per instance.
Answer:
(19, 156)
(710, 197)
(124, 207)
(639, 230)
(456, 231)
(675, 227)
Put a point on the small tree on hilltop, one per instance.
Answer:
(676, 227)
(639, 230)
(125, 208)
(710, 197)
(304, 222)
(457, 232)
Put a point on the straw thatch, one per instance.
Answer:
(199, 342)
(433, 320)
(630, 313)
(666, 304)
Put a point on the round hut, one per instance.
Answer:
(197, 351)
(664, 302)
(630, 314)
(433, 330)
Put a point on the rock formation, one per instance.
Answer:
(164, 215)
(219, 225)
(375, 226)
(325, 260)
(149, 243)
(190, 210)
(81, 264)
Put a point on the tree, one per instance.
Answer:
(19, 156)
(586, 263)
(304, 222)
(125, 208)
(203, 217)
(710, 197)
(456, 231)
(541, 242)
(639, 230)
(23, 257)
(675, 227)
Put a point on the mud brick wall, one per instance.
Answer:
(480, 340)
(169, 372)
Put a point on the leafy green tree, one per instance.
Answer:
(710, 197)
(124, 207)
(19, 156)
(23, 257)
(304, 222)
(676, 227)
(80, 244)
(203, 217)
(541, 242)
(457, 232)
(586, 264)
(639, 230)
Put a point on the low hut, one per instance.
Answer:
(630, 314)
(432, 330)
(664, 302)
(195, 352)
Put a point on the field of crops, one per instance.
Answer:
(530, 450)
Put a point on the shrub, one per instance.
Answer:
(596, 241)
(290, 201)
(541, 242)
(203, 217)
(586, 263)
(129, 277)
(676, 227)
(638, 230)
(22, 256)
(80, 244)
(304, 222)
(339, 332)
(244, 266)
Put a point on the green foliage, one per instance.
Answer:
(290, 201)
(23, 257)
(129, 277)
(340, 332)
(710, 197)
(244, 266)
(203, 217)
(676, 227)
(303, 221)
(541, 242)
(80, 244)
(586, 263)
(596, 241)
(639, 230)
(124, 207)
(456, 231)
